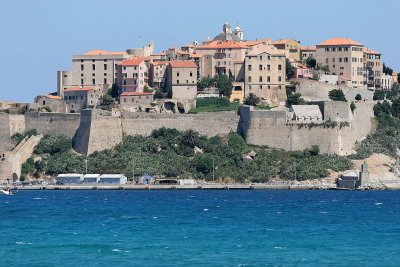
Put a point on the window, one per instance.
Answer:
(327, 60)
(81, 60)
(268, 79)
(81, 74)
(279, 78)
(187, 81)
(177, 74)
(279, 67)
(82, 68)
(249, 67)
(333, 59)
(191, 74)
(124, 82)
(93, 67)
(105, 66)
(268, 67)
(94, 81)
(105, 74)
(260, 86)
(81, 81)
(260, 57)
(340, 49)
(105, 80)
(93, 60)
(260, 67)
(105, 60)
(340, 59)
(249, 79)
(177, 81)
(269, 87)
(93, 74)
(260, 79)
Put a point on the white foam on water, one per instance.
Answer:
(205, 209)
(155, 218)
(127, 251)
(279, 212)
(279, 247)
(116, 250)
(323, 212)
(378, 203)
(22, 243)
(37, 198)
(215, 217)
(269, 229)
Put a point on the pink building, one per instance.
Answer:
(303, 72)
(132, 75)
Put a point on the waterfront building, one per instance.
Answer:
(182, 79)
(290, 47)
(91, 178)
(373, 68)
(132, 75)
(70, 178)
(112, 179)
(342, 57)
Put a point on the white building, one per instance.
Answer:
(113, 179)
(91, 178)
(70, 178)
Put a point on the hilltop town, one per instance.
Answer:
(274, 93)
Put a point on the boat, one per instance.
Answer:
(7, 191)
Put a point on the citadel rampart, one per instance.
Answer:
(338, 133)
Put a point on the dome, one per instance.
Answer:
(237, 28)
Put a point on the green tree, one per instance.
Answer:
(107, 99)
(311, 62)
(114, 91)
(387, 70)
(358, 97)
(224, 85)
(290, 70)
(382, 108)
(337, 95)
(396, 108)
(295, 99)
(158, 94)
(314, 150)
(28, 166)
(204, 164)
(147, 89)
(205, 82)
(251, 100)
(379, 95)
(398, 77)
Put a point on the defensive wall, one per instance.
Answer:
(100, 129)
(315, 90)
(11, 161)
(338, 133)
(53, 123)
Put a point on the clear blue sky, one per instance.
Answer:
(38, 37)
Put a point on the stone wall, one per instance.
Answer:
(52, 123)
(316, 90)
(271, 128)
(11, 161)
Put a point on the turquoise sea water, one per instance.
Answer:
(200, 228)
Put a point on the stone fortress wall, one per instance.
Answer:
(274, 129)
(315, 90)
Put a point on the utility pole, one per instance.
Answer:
(86, 165)
(133, 170)
(213, 170)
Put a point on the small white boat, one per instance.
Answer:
(7, 192)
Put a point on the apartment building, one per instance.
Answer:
(290, 47)
(308, 52)
(135, 99)
(81, 97)
(92, 68)
(182, 79)
(157, 74)
(132, 75)
(344, 57)
(373, 68)
(219, 57)
(265, 73)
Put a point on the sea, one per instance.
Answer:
(200, 228)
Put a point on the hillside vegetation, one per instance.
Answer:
(171, 153)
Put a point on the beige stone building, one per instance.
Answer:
(157, 74)
(345, 58)
(265, 74)
(132, 75)
(182, 79)
(373, 68)
(81, 97)
(308, 52)
(54, 102)
(97, 67)
(290, 47)
(135, 99)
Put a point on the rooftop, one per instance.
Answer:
(54, 96)
(257, 50)
(307, 111)
(308, 48)
(135, 93)
(131, 62)
(79, 88)
(370, 51)
(183, 64)
(102, 52)
(222, 45)
(340, 41)
(283, 41)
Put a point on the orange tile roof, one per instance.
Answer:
(370, 51)
(222, 45)
(102, 52)
(308, 48)
(54, 96)
(131, 62)
(77, 88)
(283, 41)
(193, 55)
(183, 64)
(340, 41)
(135, 93)
(157, 63)
(159, 54)
(256, 42)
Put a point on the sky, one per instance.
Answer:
(39, 37)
